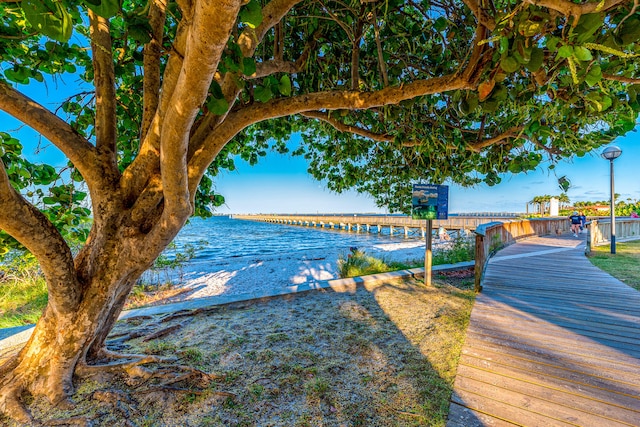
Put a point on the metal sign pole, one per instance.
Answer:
(428, 254)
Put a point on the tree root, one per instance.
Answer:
(11, 405)
(162, 332)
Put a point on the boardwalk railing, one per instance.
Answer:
(495, 235)
(599, 231)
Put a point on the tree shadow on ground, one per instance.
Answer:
(381, 356)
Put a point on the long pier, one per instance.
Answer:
(391, 224)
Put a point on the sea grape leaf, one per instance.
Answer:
(218, 106)
(49, 18)
(105, 8)
(248, 66)
(509, 64)
(582, 53)
(251, 14)
(263, 93)
(565, 51)
(284, 85)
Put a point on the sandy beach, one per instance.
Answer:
(247, 274)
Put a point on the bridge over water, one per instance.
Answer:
(390, 224)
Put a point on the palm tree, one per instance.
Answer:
(563, 199)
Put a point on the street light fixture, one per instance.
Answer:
(611, 153)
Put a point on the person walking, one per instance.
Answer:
(575, 223)
(583, 221)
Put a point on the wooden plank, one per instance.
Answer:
(552, 341)
(540, 404)
(574, 323)
(460, 416)
(573, 362)
(518, 415)
(572, 382)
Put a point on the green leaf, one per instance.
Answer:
(582, 53)
(504, 44)
(552, 43)
(248, 66)
(594, 75)
(587, 27)
(105, 8)
(218, 106)
(509, 64)
(440, 24)
(251, 14)
(49, 18)
(630, 31)
(216, 90)
(565, 51)
(262, 93)
(536, 60)
(285, 85)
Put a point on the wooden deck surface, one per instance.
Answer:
(552, 341)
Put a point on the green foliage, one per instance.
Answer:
(461, 249)
(358, 263)
(23, 291)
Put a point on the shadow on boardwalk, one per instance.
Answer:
(553, 341)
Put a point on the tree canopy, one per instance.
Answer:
(437, 90)
(384, 93)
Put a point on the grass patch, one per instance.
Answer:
(23, 292)
(381, 356)
(622, 265)
(358, 263)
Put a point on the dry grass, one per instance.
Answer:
(383, 356)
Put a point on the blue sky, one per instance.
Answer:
(280, 183)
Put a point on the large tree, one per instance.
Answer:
(384, 93)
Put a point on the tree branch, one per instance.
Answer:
(483, 18)
(135, 177)
(104, 81)
(268, 68)
(503, 138)
(151, 64)
(623, 79)
(209, 31)
(351, 100)
(346, 128)
(272, 13)
(381, 63)
(32, 229)
(568, 8)
(77, 149)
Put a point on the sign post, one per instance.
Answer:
(429, 202)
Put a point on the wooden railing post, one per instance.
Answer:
(479, 262)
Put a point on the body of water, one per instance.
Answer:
(221, 237)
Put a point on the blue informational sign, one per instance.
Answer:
(430, 201)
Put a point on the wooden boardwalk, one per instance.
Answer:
(553, 341)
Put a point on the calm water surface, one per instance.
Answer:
(222, 237)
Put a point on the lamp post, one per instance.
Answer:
(611, 153)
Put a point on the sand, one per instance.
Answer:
(246, 274)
